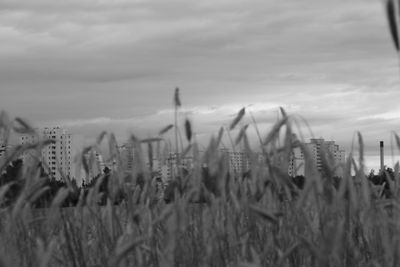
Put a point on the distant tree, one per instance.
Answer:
(382, 179)
(12, 175)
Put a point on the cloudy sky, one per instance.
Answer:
(93, 65)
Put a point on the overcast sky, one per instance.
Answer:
(93, 65)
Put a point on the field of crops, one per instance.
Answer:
(215, 218)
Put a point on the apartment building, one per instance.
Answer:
(169, 168)
(127, 156)
(58, 157)
(3, 149)
(296, 163)
(318, 149)
(238, 161)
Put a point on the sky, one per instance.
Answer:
(93, 65)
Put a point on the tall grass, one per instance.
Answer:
(216, 218)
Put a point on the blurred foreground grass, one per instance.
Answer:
(215, 219)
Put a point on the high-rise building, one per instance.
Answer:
(29, 156)
(9, 146)
(171, 163)
(58, 156)
(238, 161)
(25, 139)
(127, 155)
(94, 165)
(296, 163)
(3, 148)
(321, 150)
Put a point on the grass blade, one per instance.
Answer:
(275, 130)
(166, 129)
(239, 116)
(151, 140)
(177, 100)
(23, 127)
(263, 214)
(123, 250)
(188, 130)
(241, 134)
(391, 16)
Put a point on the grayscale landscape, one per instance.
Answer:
(209, 133)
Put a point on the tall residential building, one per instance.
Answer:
(318, 148)
(12, 143)
(3, 149)
(296, 163)
(238, 161)
(171, 163)
(58, 156)
(95, 166)
(127, 155)
(28, 156)
(25, 139)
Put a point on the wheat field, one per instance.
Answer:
(214, 218)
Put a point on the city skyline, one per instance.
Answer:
(62, 157)
(91, 66)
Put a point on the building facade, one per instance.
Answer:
(57, 157)
(3, 150)
(296, 163)
(319, 151)
(126, 152)
(238, 161)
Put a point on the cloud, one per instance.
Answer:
(94, 65)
